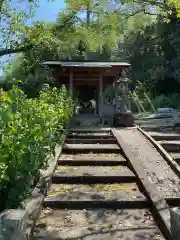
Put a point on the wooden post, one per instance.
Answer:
(71, 82)
(97, 98)
(100, 97)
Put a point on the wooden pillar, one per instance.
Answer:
(97, 98)
(101, 97)
(71, 82)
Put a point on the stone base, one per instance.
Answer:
(85, 120)
(175, 223)
(124, 119)
(13, 224)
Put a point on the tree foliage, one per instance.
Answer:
(16, 34)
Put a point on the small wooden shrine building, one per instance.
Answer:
(87, 78)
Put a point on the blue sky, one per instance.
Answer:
(47, 11)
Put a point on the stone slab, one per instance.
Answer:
(93, 194)
(87, 136)
(99, 224)
(91, 141)
(93, 174)
(170, 146)
(94, 148)
(158, 136)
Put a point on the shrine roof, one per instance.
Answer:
(86, 64)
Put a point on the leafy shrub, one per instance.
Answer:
(162, 101)
(29, 131)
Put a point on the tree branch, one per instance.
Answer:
(151, 2)
(140, 11)
(16, 50)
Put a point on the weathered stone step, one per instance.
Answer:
(170, 146)
(95, 195)
(92, 162)
(91, 141)
(90, 174)
(95, 156)
(89, 136)
(158, 136)
(90, 130)
(99, 224)
(176, 157)
(87, 148)
(155, 128)
(101, 159)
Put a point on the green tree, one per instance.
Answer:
(16, 34)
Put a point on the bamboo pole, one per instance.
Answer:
(139, 102)
(134, 99)
(147, 97)
(149, 101)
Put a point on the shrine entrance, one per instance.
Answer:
(87, 99)
(87, 81)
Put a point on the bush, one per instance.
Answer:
(29, 131)
(160, 101)
(169, 101)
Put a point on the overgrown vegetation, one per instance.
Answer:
(29, 132)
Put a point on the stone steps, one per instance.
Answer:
(158, 136)
(91, 141)
(126, 194)
(94, 148)
(93, 174)
(170, 146)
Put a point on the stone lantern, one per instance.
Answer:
(123, 116)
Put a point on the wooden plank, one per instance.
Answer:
(159, 204)
(160, 149)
